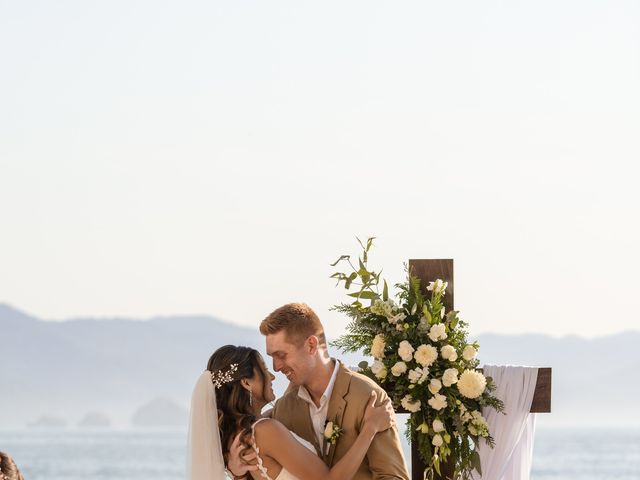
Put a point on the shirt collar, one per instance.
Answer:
(304, 394)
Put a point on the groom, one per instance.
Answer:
(323, 390)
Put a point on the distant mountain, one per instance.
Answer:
(46, 421)
(95, 420)
(68, 369)
(160, 412)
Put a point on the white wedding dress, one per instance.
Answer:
(284, 474)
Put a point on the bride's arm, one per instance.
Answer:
(276, 441)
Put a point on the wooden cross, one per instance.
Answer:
(428, 271)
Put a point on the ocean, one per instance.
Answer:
(568, 454)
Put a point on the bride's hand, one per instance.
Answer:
(379, 418)
(241, 460)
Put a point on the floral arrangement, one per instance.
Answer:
(332, 432)
(422, 358)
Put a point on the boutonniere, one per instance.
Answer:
(332, 432)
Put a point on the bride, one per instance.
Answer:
(230, 394)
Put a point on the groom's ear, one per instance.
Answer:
(312, 344)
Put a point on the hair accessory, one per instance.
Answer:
(221, 377)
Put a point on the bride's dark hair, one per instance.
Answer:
(8, 468)
(235, 413)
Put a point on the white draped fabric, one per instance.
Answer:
(513, 433)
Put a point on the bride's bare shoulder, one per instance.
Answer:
(269, 427)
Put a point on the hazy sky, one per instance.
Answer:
(214, 157)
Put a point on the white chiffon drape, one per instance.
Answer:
(513, 433)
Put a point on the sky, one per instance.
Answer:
(162, 158)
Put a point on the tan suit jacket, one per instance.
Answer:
(347, 404)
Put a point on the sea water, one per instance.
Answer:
(567, 454)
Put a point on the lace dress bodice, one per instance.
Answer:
(284, 474)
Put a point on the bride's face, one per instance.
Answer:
(263, 389)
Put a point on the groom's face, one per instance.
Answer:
(294, 361)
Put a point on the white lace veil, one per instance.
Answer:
(204, 449)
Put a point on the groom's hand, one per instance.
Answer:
(240, 464)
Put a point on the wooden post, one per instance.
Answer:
(428, 271)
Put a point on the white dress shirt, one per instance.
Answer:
(319, 414)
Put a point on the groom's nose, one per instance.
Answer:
(277, 365)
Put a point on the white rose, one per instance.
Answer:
(398, 369)
(418, 375)
(377, 346)
(438, 426)
(437, 332)
(328, 430)
(414, 375)
(426, 354)
(438, 286)
(450, 377)
(405, 350)
(471, 384)
(469, 353)
(409, 404)
(435, 385)
(438, 402)
(437, 440)
(379, 370)
(449, 353)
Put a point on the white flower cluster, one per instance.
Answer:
(437, 402)
(449, 353)
(379, 370)
(438, 332)
(382, 308)
(469, 353)
(438, 426)
(450, 377)
(387, 309)
(405, 351)
(435, 385)
(478, 425)
(377, 347)
(426, 354)
(409, 404)
(331, 432)
(418, 375)
(398, 369)
(437, 287)
(437, 440)
(413, 362)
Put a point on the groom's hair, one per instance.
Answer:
(299, 322)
